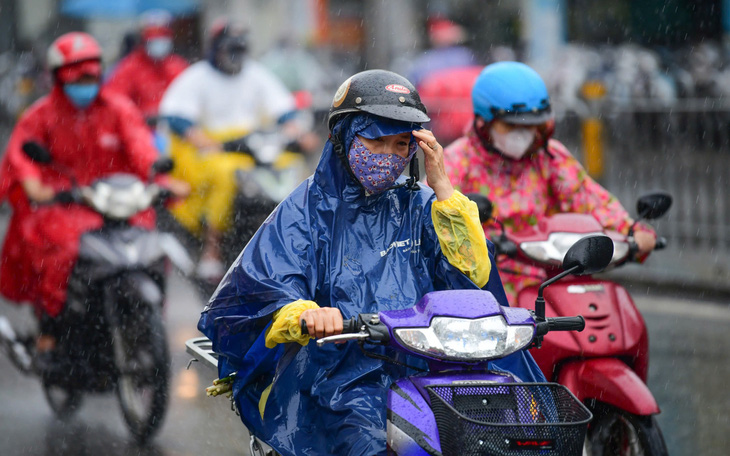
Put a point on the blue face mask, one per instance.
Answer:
(158, 48)
(81, 95)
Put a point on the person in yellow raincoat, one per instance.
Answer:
(218, 99)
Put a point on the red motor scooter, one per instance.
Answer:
(605, 365)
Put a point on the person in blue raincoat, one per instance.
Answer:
(356, 237)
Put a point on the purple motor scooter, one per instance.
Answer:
(459, 406)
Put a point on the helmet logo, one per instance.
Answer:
(341, 93)
(397, 88)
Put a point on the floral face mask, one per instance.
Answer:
(377, 172)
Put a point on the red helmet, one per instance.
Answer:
(76, 53)
(155, 23)
(71, 48)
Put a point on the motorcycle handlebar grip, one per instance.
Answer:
(65, 197)
(348, 326)
(164, 194)
(576, 323)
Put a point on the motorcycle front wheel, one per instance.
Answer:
(63, 401)
(143, 360)
(617, 433)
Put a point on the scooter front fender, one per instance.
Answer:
(610, 381)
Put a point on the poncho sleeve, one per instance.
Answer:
(462, 241)
(276, 268)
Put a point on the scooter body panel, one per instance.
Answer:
(610, 381)
(614, 326)
(110, 251)
(411, 427)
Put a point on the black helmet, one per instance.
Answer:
(380, 92)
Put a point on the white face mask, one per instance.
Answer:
(158, 48)
(515, 143)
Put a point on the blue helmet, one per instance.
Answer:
(512, 92)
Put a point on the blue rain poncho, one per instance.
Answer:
(329, 243)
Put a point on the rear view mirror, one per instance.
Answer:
(589, 255)
(36, 152)
(653, 205)
(485, 206)
(163, 165)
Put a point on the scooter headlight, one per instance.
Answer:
(466, 339)
(118, 203)
(554, 249)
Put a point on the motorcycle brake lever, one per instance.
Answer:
(342, 338)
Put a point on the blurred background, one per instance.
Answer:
(640, 91)
(654, 72)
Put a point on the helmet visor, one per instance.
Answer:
(538, 117)
(402, 113)
(387, 127)
(75, 71)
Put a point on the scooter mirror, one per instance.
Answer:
(163, 165)
(589, 255)
(36, 152)
(653, 205)
(485, 206)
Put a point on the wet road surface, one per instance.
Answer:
(689, 372)
(194, 424)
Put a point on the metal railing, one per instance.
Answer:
(685, 150)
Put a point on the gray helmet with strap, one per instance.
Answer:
(380, 92)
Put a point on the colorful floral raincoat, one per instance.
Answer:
(523, 191)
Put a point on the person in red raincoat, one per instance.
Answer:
(89, 133)
(144, 74)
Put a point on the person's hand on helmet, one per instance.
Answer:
(435, 170)
(322, 322)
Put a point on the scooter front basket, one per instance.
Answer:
(508, 419)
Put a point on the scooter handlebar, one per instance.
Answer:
(576, 323)
(348, 326)
(67, 196)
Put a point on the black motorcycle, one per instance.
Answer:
(114, 337)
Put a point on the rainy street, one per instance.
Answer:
(690, 365)
(359, 128)
(194, 425)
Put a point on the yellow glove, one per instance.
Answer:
(285, 325)
(461, 236)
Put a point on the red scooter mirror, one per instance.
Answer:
(36, 152)
(589, 255)
(163, 165)
(653, 205)
(485, 206)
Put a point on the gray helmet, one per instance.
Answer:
(380, 92)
